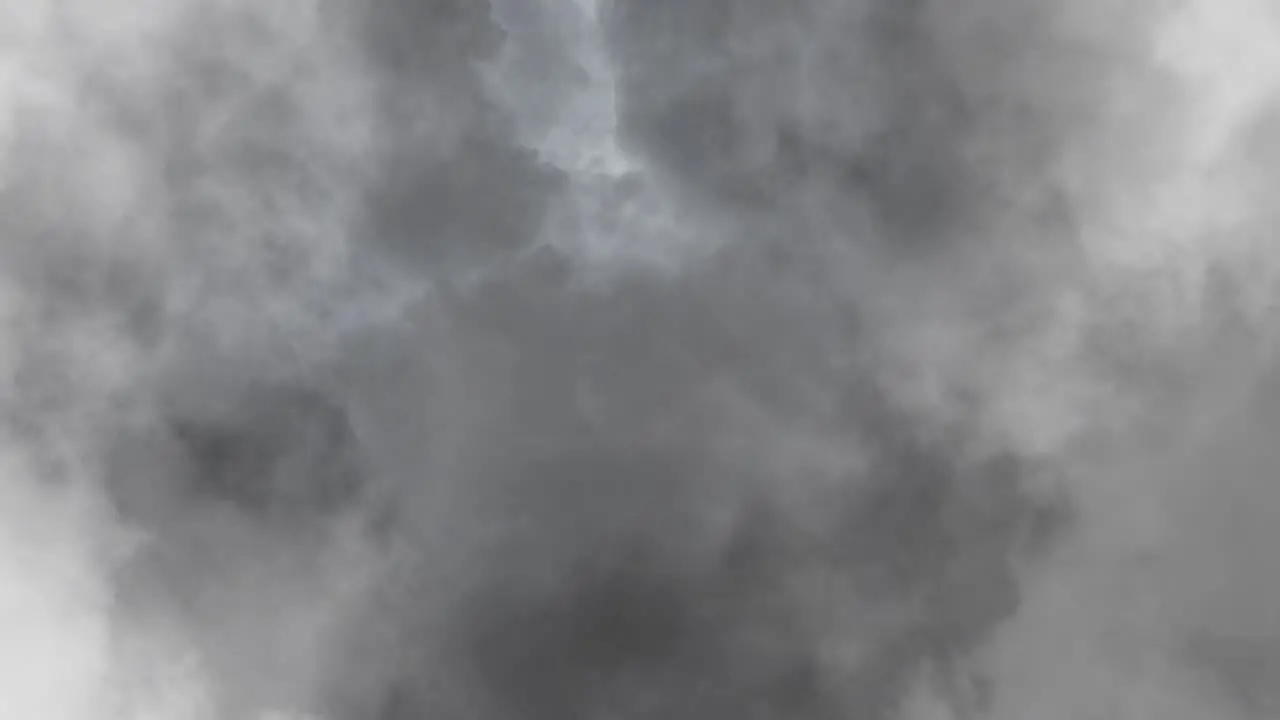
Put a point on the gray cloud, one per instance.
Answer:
(638, 359)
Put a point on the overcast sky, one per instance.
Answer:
(639, 360)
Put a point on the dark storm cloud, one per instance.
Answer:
(620, 542)
(593, 507)
(401, 448)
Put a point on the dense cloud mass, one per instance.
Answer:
(639, 359)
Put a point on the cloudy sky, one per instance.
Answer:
(639, 359)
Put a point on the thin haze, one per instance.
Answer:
(639, 359)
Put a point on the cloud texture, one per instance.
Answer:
(623, 359)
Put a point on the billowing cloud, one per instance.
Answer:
(637, 359)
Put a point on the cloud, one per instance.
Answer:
(636, 359)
